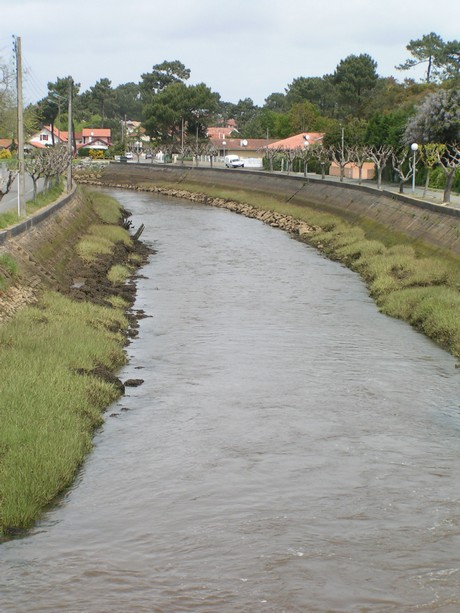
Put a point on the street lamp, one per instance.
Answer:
(414, 148)
(224, 143)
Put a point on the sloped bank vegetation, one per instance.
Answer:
(409, 279)
(66, 304)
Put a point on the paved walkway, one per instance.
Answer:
(434, 196)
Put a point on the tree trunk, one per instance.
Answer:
(448, 187)
(427, 182)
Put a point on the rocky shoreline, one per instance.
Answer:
(276, 220)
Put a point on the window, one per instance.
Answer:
(43, 136)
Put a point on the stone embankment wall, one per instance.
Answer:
(434, 224)
(40, 246)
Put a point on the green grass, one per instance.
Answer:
(48, 411)
(44, 198)
(119, 273)
(101, 239)
(9, 268)
(106, 207)
(7, 219)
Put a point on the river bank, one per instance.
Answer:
(409, 278)
(66, 318)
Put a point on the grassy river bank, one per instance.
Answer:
(58, 353)
(59, 350)
(409, 279)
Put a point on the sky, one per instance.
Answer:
(238, 48)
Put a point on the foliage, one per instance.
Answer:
(356, 78)
(178, 107)
(437, 119)
(441, 59)
(161, 77)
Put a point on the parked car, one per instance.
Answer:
(233, 161)
(129, 155)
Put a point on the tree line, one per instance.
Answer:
(357, 110)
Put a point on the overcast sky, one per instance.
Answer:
(238, 48)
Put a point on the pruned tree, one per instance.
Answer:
(342, 156)
(429, 154)
(323, 157)
(359, 155)
(35, 165)
(404, 165)
(380, 154)
(449, 161)
(288, 154)
(306, 154)
(271, 153)
(7, 177)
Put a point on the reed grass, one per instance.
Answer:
(106, 207)
(119, 273)
(49, 410)
(101, 239)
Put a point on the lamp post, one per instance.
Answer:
(224, 143)
(414, 148)
(306, 144)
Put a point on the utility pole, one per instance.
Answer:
(70, 138)
(21, 162)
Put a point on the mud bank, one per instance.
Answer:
(436, 225)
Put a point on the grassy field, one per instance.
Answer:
(51, 401)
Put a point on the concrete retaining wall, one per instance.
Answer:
(434, 224)
(37, 219)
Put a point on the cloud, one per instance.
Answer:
(246, 48)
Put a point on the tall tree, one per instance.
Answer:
(320, 91)
(103, 98)
(162, 75)
(178, 109)
(356, 78)
(427, 50)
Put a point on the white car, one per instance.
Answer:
(129, 155)
(233, 161)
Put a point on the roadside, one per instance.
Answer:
(10, 200)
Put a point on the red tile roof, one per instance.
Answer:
(298, 140)
(241, 144)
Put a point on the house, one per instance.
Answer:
(251, 150)
(351, 171)
(223, 132)
(7, 143)
(302, 140)
(93, 138)
(44, 138)
(135, 135)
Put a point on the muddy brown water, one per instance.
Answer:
(291, 449)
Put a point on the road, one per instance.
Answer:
(10, 200)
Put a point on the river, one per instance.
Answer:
(290, 450)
